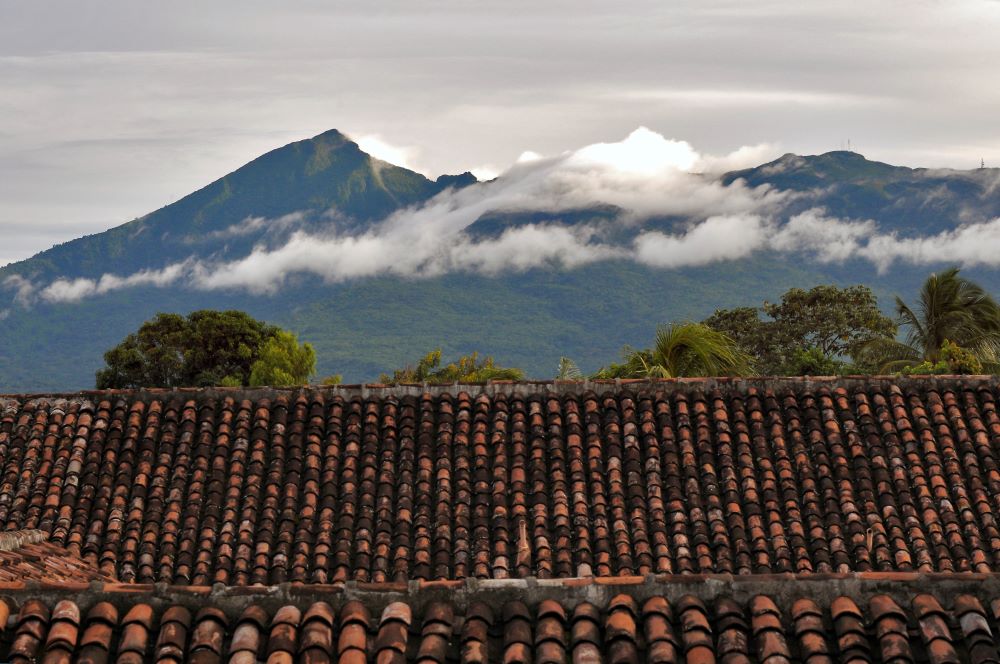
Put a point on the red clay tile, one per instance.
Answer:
(681, 477)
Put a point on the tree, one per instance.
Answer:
(568, 370)
(814, 362)
(954, 360)
(466, 369)
(203, 348)
(808, 329)
(954, 321)
(683, 349)
(753, 335)
(837, 321)
(283, 362)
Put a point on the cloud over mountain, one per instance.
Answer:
(671, 208)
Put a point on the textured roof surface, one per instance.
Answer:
(625, 628)
(546, 481)
(26, 556)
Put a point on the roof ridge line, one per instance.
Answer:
(419, 586)
(510, 387)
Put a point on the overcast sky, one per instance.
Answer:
(109, 110)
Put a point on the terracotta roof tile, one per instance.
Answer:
(551, 481)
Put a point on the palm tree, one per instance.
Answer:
(950, 311)
(684, 349)
(568, 370)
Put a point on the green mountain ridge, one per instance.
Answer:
(327, 174)
(528, 319)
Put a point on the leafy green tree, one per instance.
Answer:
(683, 349)
(814, 362)
(752, 334)
(203, 348)
(808, 329)
(951, 312)
(466, 369)
(283, 362)
(954, 360)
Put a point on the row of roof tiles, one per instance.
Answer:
(26, 556)
(918, 628)
(200, 489)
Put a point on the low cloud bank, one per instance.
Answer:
(644, 176)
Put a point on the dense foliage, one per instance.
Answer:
(808, 332)
(283, 361)
(953, 328)
(466, 369)
(683, 349)
(203, 348)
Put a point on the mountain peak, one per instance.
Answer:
(325, 174)
(456, 181)
(330, 134)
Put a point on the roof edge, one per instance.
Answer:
(784, 588)
(726, 384)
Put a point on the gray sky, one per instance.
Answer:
(109, 110)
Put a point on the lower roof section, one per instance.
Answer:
(762, 618)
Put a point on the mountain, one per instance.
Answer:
(906, 200)
(525, 318)
(327, 174)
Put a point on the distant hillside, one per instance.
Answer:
(528, 319)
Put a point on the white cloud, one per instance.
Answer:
(829, 239)
(252, 225)
(747, 156)
(727, 98)
(715, 239)
(968, 245)
(526, 247)
(24, 289)
(377, 147)
(643, 152)
(71, 290)
(485, 172)
(645, 175)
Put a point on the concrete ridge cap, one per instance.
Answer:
(420, 586)
(510, 388)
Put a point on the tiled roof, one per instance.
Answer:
(850, 621)
(371, 484)
(26, 555)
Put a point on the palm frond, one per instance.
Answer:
(694, 349)
(568, 370)
(887, 355)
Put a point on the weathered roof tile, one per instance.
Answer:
(507, 481)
